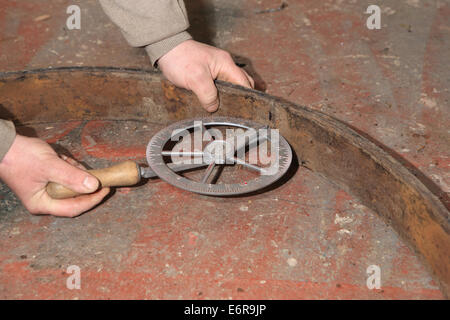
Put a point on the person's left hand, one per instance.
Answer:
(194, 66)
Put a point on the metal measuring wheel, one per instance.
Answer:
(214, 150)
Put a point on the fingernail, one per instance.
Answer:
(90, 183)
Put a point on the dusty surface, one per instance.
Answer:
(307, 239)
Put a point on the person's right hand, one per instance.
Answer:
(31, 164)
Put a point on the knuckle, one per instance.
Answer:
(225, 55)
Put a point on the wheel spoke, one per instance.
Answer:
(208, 172)
(182, 153)
(179, 167)
(247, 165)
(175, 167)
(218, 174)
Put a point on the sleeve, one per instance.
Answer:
(7, 136)
(157, 25)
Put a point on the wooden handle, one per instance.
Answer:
(122, 174)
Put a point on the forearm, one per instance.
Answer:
(7, 136)
(157, 25)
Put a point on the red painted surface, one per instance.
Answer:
(21, 36)
(305, 240)
(141, 285)
(102, 147)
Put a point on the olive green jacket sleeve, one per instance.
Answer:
(7, 136)
(157, 25)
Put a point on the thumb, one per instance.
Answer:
(232, 73)
(71, 177)
(204, 88)
(227, 70)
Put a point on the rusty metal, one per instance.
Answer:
(414, 206)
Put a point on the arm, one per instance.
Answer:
(157, 25)
(28, 164)
(160, 26)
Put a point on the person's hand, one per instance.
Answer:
(31, 163)
(194, 66)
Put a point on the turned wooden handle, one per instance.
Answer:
(122, 174)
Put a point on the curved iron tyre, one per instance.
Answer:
(407, 200)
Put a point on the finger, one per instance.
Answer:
(249, 78)
(204, 88)
(234, 74)
(72, 162)
(75, 206)
(78, 180)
